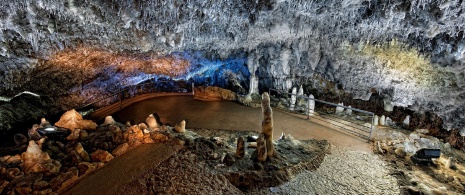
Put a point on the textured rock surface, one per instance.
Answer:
(73, 120)
(54, 49)
(214, 93)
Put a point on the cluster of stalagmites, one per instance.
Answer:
(50, 165)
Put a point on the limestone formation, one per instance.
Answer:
(349, 111)
(20, 139)
(261, 148)
(240, 150)
(376, 120)
(228, 159)
(109, 121)
(389, 122)
(340, 110)
(34, 160)
(181, 127)
(134, 135)
(101, 156)
(406, 121)
(121, 149)
(311, 105)
(85, 168)
(293, 99)
(83, 134)
(267, 124)
(73, 120)
(44, 123)
(388, 107)
(143, 126)
(151, 122)
(382, 120)
(33, 133)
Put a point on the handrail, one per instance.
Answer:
(126, 88)
(333, 104)
(317, 100)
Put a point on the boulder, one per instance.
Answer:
(142, 126)
(214, 93)
(240, 150)
(349, 111)
(400, 152)
(3, 184)
(65, 179)
(73, 120)
(135, 136)
(181, 127)
(340, 110)
(101, 156)
(158, 137)
(83, 134)
(23, 188)
(34, 160)
(121, 149)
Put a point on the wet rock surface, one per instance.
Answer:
(214, 93)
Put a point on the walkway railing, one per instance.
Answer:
(357, 122)
(131, 91)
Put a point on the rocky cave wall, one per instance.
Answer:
(405, 53)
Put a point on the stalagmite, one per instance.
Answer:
(261, 148)
(240, 150)
(406, 121)
(109, 121)
(339, 109)
(151, 122)
(293, 99)
(382, 120)
(376, 120)
(311, 105)
(349, 111)
(267, 124)
(181, 127)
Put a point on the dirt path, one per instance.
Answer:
(123, 169)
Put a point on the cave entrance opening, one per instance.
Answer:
(350, 120)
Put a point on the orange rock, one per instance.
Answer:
(74, 134)
(101, 156)
(121, 149)
(34, 160)
(73, 120)
(85, 168)
(214, 93)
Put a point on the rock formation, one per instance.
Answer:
(340, 110)
(20, 139)
(33, 133)
(211, 93)
(376, 120)
(34, 160)
(151, 122)
(293, 99)
(181, 127)
(311, 105)
(101, 156)
(267, 124)
(109, 121)
(73, 120)
(262, 152)
(240, 149)
(382, 120)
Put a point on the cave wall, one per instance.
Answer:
(407, 53)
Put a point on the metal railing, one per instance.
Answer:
(131, 91)
(342, 122)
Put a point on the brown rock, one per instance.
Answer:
(75, 156)
(74, 134)
(214, 93)
(85, 168)
(44, 192)
(142, 126)
(20, 139)
(40, 185)
(83, 134)
(135, 136)
(240, 150)
(33, 133)
(73, 120)
(101, 156)
(117, 134)
(3, 184)
(14, 173)
(34, 160)
(181, 127)
(148, 139)
(78, 147)
(158, 137)
(23, 188)
(229, 159)
(121, 149)
(261, 148)
(85, 156)
(98, 165)
(11, 160)
(267, 124)
(65, 179)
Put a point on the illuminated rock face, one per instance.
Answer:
(328, 46)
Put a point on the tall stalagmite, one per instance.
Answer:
(267, 124)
